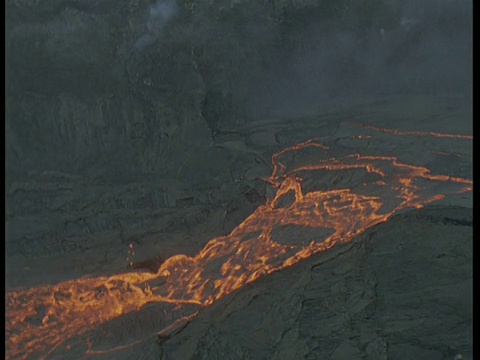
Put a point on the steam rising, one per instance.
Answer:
(423, 47)
(160, 14)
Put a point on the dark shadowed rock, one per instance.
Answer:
(399, 291)
(140, 130)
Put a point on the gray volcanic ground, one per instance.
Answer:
(137, 131)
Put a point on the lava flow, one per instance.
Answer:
(415, 133)
(336, 198)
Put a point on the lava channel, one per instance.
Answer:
(337, 197)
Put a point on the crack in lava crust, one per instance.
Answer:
(40, 319)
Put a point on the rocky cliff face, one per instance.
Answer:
(150, 125)
(116, 89)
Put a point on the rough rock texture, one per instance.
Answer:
(401, 290)
(116, 107)
(83, 100)
(138, 130)
(404, 290)
(93, 223)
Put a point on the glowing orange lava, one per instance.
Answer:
(40, 319)
(416, 133)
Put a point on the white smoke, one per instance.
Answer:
(160, 13)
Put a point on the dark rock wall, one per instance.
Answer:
(114, 108)
(151, 123)
(83, 97)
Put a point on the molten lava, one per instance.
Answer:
(343, 196)
(416, 133)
